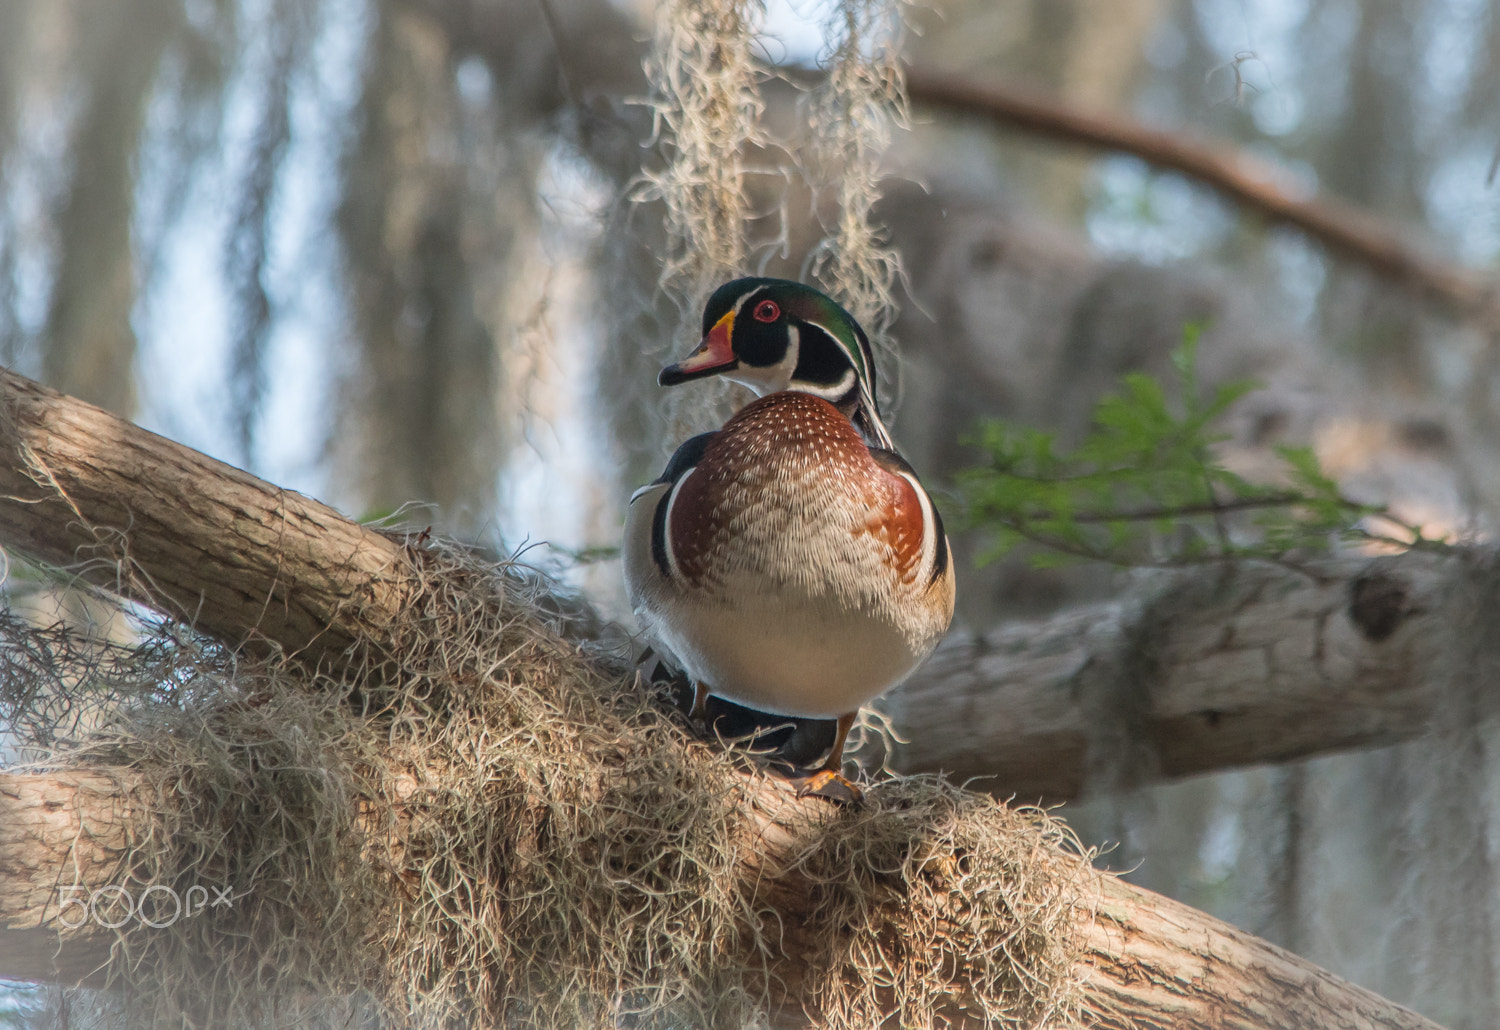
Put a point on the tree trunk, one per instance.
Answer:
(1196, 671)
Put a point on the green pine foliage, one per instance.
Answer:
(1145, 488)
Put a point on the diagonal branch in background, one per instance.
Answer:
(214, 541)
(1246, 180)
(602, 61)
(1198, 671)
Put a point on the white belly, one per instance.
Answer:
(801, 657)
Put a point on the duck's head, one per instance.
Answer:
(774, 334)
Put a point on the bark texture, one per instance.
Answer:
(160, 523)
(1201, 671)
(1156, 964)
(55, 831)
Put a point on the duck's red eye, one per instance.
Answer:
(767, 311)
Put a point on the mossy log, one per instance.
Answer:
(1147, 961)
(248, 562)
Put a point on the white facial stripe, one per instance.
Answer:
(838, 391)
(881, 430)
(773, 377)
(667, 519)
(929, 531)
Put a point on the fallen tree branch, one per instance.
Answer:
(1202, 670)
(1343, 228)
(96, 482)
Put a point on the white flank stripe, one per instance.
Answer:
(929, 531)
(666, 518)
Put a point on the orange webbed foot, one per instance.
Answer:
(825, 783)
(829, 782)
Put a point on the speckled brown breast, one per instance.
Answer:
(786, 462)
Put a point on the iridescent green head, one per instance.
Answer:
(774, 334)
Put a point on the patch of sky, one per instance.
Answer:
(183, 319)
(201, 15)
(1453, 31)
(296, 417)
(1300, 273)
(1266, 28)
(475, 83)
(1278, 112)
(1152, 217)
(1255, 43)
(573, 192)
(35, 178)
(1221, 843)
(163, 164)
(792, 31)
(1460, 203)
(551, 489)
(1322, 59)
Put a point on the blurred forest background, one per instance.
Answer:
(383, 251)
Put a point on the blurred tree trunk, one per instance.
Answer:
(89, 342)
(425, 366)
(17, 41)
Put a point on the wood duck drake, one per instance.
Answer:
(791, 561)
